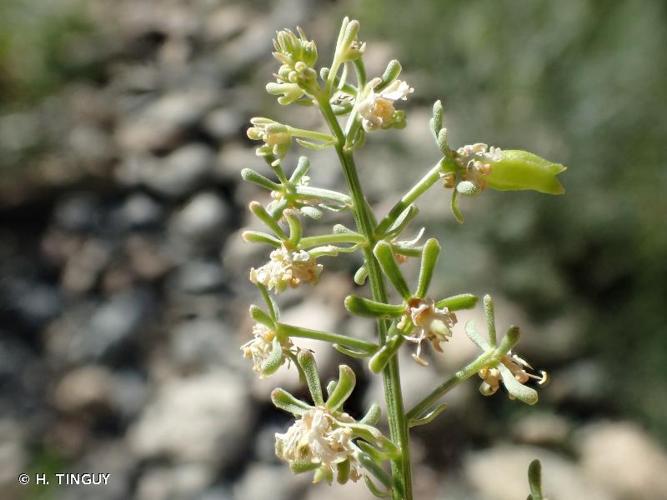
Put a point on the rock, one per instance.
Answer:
(269, 481)
(202, 220)
(199, 277)
(78, 212)
(13, 456)
(180, 173)
(500, 473)
(204, 343)
(179, 482)
(624, 460)
(85, 264)
(114, 325)
(164, 122)
(349, 491)
(583, 382)
(224, 123)
(84, 389)
(139, 211)
(203, 419)
(539, 428)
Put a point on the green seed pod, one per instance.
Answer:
(521, 170)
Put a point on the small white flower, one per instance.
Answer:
(261, 346)
(431, 323)
(319, 438)
(476, 160)
(377, 109)
(287, 269)
(517, 366)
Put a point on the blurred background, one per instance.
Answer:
(123, 281)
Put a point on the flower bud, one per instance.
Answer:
(521, 170)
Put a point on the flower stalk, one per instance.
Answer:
(324, 439)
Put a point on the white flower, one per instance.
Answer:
(287, 269)
(319, 438)
(260, 348)
(377, 109)
(517, 366)
(431, 323)
(476, 160)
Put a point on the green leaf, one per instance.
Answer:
(309, 367)
(287, 402)
(344, 387)
(521, 170)
(361, 275)
(343, 472)
(303, 466)
(274, 360)
(428, 416)
(351, 352)
(474, 335)
(250, 175)
(535, 480)
(490, 319)
(437, 120)
(516, 389)
(259, 237)
(384, 354)
(458, 302)
(375, 469)
(375, 490)
(456, 211)
(361, 306)
(261, 317)
(429, 260)
(385, 257)
(372, 416)
(302, 168)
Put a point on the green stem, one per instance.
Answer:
(334, 338)
(417, 190)
(483, 361)
(328, 239)
(398, 425)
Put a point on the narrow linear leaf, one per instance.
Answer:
(430, 255)
(344, 387)
(372, 416)
(361, 306)
(385, 257)
(259, 237)
(428, 417)
(274, 360)
(353, 353)
(287, 402)
(249, 175)
(516, 389)
(309, 367)
(375, 490)
(260, 316)
(458, 302)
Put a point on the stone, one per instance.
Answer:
(201, 419)
(624, 460)
(163, 123)
(276, 482)
(200, 277)
(202, 220)
(204, 343)
(180, 173)
(139, 211)
(179, 482)
(541, 428)
(501, 473)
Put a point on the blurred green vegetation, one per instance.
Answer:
(36, 39)
(582, 82)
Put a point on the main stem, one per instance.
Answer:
(398, 426)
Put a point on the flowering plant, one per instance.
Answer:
(323, 438)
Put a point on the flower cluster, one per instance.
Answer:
(276, 137)
(432, 324)
(321, 439)
(476, 161)
(262, 349)
(377, 108)
(517, 366)
(287, 268)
